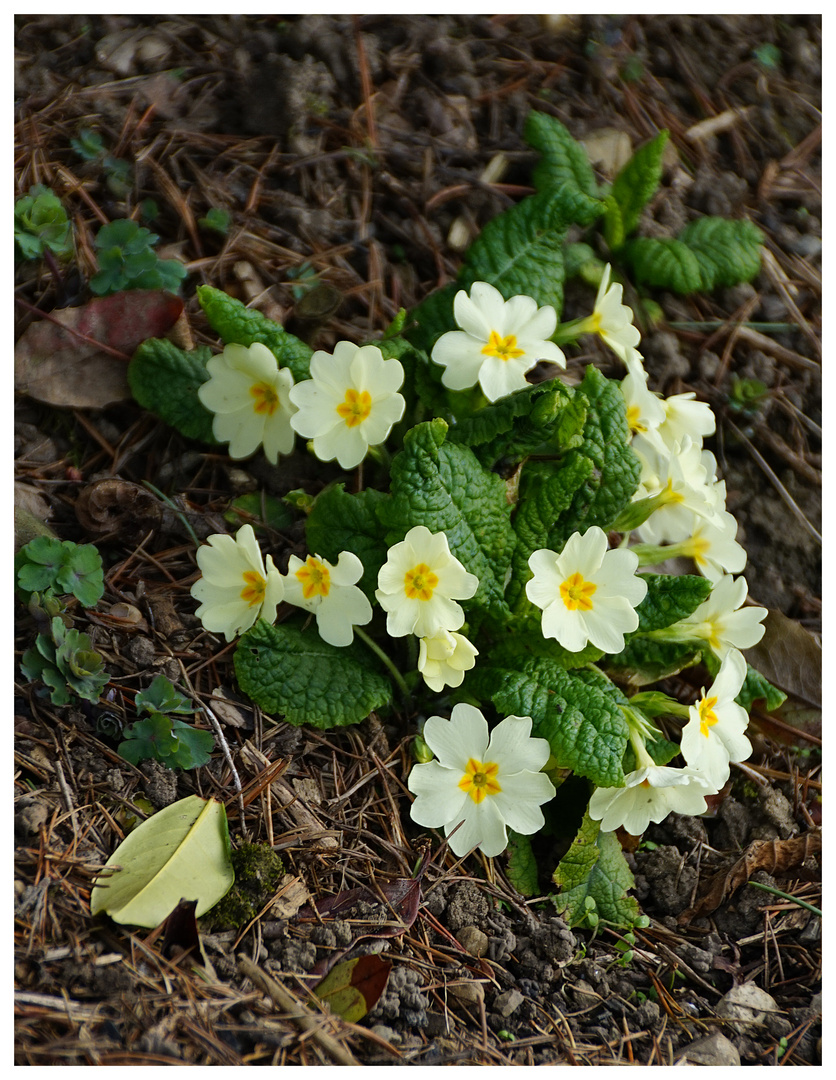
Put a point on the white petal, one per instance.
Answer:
(483, 825)
(439, 798)
(513, 749)
(455, 741)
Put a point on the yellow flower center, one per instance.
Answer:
(480, 780)
(577, 593)
(668, 495)
(314, 577)
(633, 419)
(356, 407)
(502, 348)
(266, 398)
(419, 582)
(254, 586)
(708, 717)
(697, 547)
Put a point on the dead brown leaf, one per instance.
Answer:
(774, 856)
(789, 657)
(71, 358)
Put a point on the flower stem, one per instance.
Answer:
(381, 655)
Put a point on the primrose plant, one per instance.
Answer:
(490, 563)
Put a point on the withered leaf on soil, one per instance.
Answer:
(117, 507)
(790, 657)
(774, 856)
(64, 365)
(353, 987)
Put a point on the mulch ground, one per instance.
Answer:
(350, 152)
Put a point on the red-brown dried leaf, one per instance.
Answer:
(70, 358)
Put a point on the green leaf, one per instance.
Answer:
(663, 264)
(521, 251)
(149, 738)
(670, 598)
(237, 324)
(584, 726)
(165, 380)
(564, 164)
(593, 876)
(39, 668)
(520, 423)
(546, 493)
(615, 469)
(67, 567)
(40, 221)
(162, 697)
(259, 508)
(579, 259)
(341, 522)
(82, 573)
(756, 686)
(353, 987)
(443, 486)
(728, 252)
(637, 182)
(296, 674)
(181, 853)
(644, 660)
(522, 864)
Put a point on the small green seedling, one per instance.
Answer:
(162, 737)
(216, 220)
(41, 225)
(66, 663)
(127, 261)
(747, 395)
(60, 566)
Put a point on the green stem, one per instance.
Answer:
(786, 896)
(381, 655)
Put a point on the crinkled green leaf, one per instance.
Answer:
(593, 876)
(546, 492)
(259, 508)
(637, 182)
(670, 598)
(615, 469)
(180, 853)
(341, 522)
(293, 673)
(584, 726)
(443, 486)
(564, 164)
(522, 864)
(165, 380)
(728, 252)
(521, 251)
(645, 660)
(663, 263)
(237, 324)
(520, 423)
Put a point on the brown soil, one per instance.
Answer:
(355, 146)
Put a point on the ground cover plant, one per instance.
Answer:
(440, 611)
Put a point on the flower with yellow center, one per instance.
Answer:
(498, 341)
(444, 658)
(331, 593)
(250, 396)
(481, 783)
(235, 588)
(612, 320)
(588, 595)
(419, 584)
(721, 620)
(349, 403)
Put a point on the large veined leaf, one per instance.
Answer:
(293, 672)
(181, 853)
